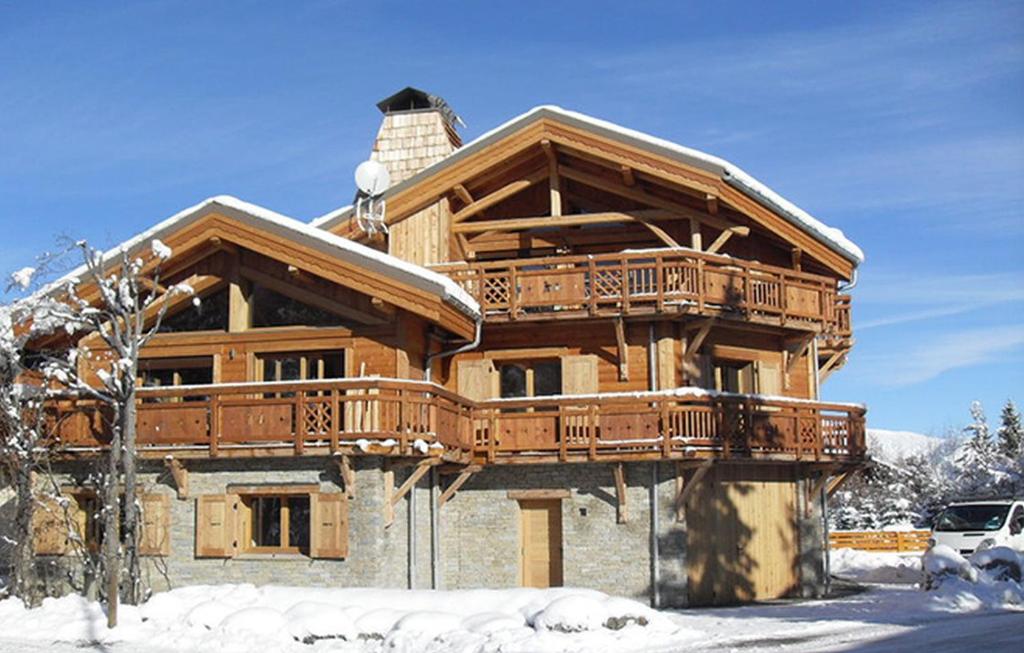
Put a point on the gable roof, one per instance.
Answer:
(729, 173)
(403, 272)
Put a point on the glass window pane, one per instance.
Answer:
(298, 524)
(210, 315)
(271, 309)
(547, 379)
(266, 527)
(513, 381)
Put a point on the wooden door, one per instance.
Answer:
(741, 535)
(541, 542)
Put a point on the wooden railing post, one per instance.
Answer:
(215, 419)
(335, 419)
(625, 286)
(666, 430)
(513, 292)
(592, 284)
(300, 421)
(659, 280)
(492, 440)
(594, 418)
(563, 432)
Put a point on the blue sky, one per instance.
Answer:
(901, 123)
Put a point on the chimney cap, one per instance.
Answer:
(413, 99)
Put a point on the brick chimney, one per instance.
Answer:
(419, 129)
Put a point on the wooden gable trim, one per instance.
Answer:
(702, 184)
(323, 265)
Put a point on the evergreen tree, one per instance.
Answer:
(1010, 433)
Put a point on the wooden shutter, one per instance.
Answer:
(579, 375)
(216, 526)
(328, 536)
(769, 377)
(155, 538)
(478, 379)
(50, 525)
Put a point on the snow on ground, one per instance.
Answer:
(974, 604)
(876, 567)
(249, 618)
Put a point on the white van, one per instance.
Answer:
(966, 526)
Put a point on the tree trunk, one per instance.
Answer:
(111, 524)
(26, 581)
(133, 588)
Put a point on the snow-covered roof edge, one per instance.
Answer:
(730, 173)
(352, 252)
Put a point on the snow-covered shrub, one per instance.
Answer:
(571, 614)
(260, 621)
(309, 621)
(1000, 562)
(941, 563)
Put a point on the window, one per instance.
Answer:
(276, 524)
(974, 517)
(210, 315)
(78, 518)
(734, 376)
(530, 379)
(272, 309)
(171, 372)
(300, 366)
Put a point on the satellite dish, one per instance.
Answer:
(372, 178)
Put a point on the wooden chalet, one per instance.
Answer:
(579, 355)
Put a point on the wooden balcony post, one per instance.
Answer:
(492, 439)
(592, 284)
(563, 433)
(335, 419)
(701, 288)
(594, 418)
(625, 287)
(659, 274)
(401, 426)
(513, 293)
(215, 419)
(300, 421)
(666, 429)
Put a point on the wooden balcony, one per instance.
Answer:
(674, 424)
(410, 418)
(649, 282)
(273, 419)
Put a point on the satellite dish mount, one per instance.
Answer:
(372, 179)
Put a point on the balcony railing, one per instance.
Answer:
(681, 423)
(410, 417)
(418, 419)
(646, 281)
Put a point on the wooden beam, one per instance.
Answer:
(826, 370)
(693, 345)
(796, 257)
(637, 194)
(725, 236)
(620, 339)
(712, 203)
(422, 468)
(554, 181)
(544, 222)
(794, 353)
(239, 310)
(526, 495)
(696, 239)
(179, 474)
(838, 481)
(627, 176)
(463, 194)
(310, 297)
(660, 233)
(620, 492)
(685, 488)
(347, 473)
(456, 485)
(497, 196)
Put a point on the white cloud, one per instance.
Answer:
(930, 357)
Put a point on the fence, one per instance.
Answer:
(883, 541)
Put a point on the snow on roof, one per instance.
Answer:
(731, 174)
(352, 252)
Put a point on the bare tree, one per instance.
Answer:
(118, 296)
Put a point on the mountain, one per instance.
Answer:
(890, 446)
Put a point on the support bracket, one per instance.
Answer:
(457, 484)
(180, 475)
(620, 339)
(621, 514)
(685, 488)
(347, 473)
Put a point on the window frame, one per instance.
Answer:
(529, 365)
(285, 493)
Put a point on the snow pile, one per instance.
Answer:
(247, 618)
(985, 582)
(876, 567)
